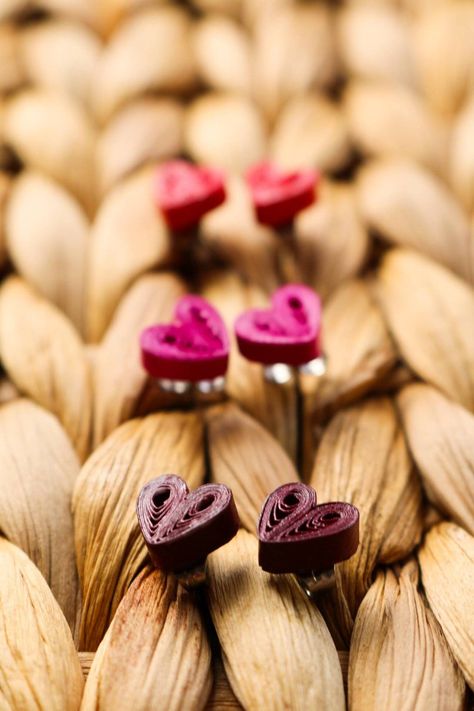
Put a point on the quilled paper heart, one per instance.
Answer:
(296, 535)
(288, 332)
(194, 347)
(278, 196)
(181, 528)
(185, 192)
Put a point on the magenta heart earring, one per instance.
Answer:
(181, 528)
(192, 351)
(296, 535)
(287, 336)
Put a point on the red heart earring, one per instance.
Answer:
(285, 337)
(185, 193)
(278, 196)
(296, 535)
(192, 351)
(181, 528)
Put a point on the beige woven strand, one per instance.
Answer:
(39, 468)
(410, 207)
(45, 358)
(120, 253)
(311, 131)
(223, 53)
(147, 130)
(357, 345)
(60, 55)
(399, 658)
(363, 459)
(278, 653)
(40, 668)
(447, 570)
(440, 434)
(155, 653)
(428, 310)
(41, 207)
(389, 120)
(130, 64)
(332, 241)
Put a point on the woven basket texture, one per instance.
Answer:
(378, 97)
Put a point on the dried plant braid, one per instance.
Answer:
(40, 666)
(257, 616)
(39, 468)
(379, 478)
(158, 636)
(379, 97)
(393, 620)
(41, 355)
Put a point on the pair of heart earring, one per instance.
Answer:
(185, 192)
(193, 351)
(296, 535)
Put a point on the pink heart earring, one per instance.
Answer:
(287, 336)
(297, 535)
(191, 352)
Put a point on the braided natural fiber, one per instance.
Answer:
(379, 96)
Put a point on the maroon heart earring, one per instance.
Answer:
(297, 535)
(181, 528)
(192, 351)
(287, 336)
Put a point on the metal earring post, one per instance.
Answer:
(281, 373)
(316, 367)
(315, 582)
(180, 387)
(207, 387)
(278, 373)
(288, 254)
(194, 577)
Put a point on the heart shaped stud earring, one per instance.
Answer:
(296, 535)
(285, 337)
(278, 196)
(192, 351)
(185, 192)
(181, 528)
